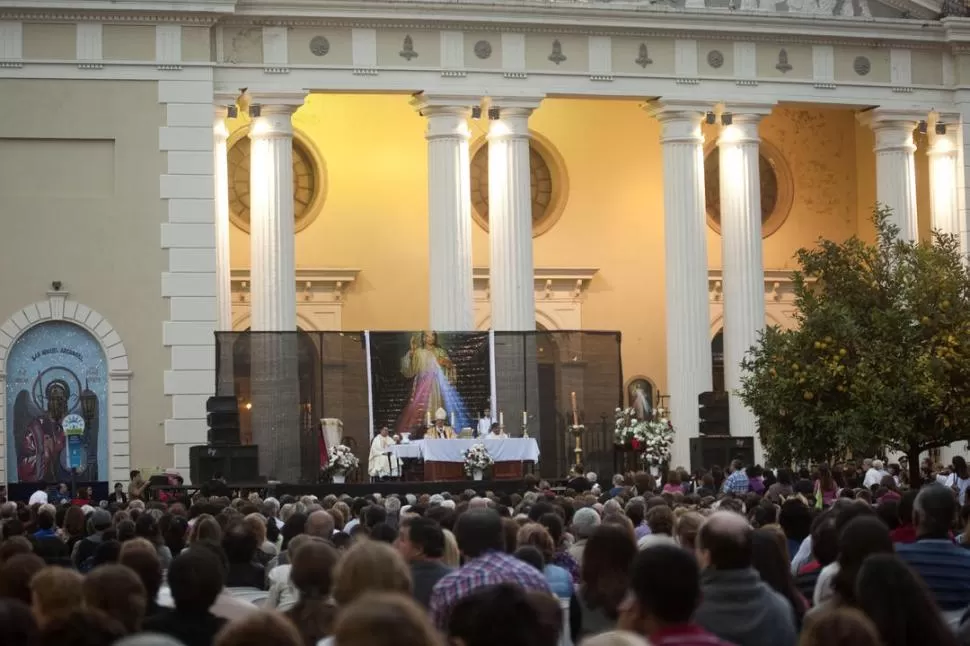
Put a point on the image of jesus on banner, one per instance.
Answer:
(433, 382)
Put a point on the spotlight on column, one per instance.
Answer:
(940, 128)
(922, 127)
(232, 111)
(494, 114)
(727, 118)
(476, 112)
(254, 110)
(710, 118)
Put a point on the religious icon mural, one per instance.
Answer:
(640, 397)
(417, 375)
(56, 370)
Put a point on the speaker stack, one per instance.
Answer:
(224, 455)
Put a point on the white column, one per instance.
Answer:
(220, 163)
(275, 357)
(273, 272)
(943, 156)
(449, 212)
(685, 266)
(510, 217)
(744, 275)
(895, 166)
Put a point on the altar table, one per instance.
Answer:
(444, 459)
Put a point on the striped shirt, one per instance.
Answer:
(492, 568)
(944, 568)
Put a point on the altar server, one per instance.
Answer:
(496, 433)
(484, 424)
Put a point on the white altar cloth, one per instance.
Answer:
(511, 449)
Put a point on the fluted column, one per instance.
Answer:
(275, 361)
(510, 217)
(449, 212)
(744, 274)
(685, 267)
(895, 166)
(220, 173)
(943, 156)
(273, 271)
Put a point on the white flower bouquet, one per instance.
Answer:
(652, 438)
(341, 459)
(477, 459)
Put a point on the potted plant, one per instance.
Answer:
(477, 460)
(340, 460)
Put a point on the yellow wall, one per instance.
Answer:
(79, 203)
(374, 218)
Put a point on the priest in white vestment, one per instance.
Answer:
(382, 463)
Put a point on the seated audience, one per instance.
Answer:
(195, 579)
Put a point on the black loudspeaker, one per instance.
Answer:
(705, 452)
(714, 413)
(222, 416)
(237, 464)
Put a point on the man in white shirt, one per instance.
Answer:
(874, 475)
(496, 432)
(484, 424)
(381, 463)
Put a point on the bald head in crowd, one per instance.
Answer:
(321, 524)
(479, 503)
(724, 542)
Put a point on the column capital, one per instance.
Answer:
(890, 118)
(661, 109)
(453, 104)
(680, 121)
(515, 105)
(276, 102)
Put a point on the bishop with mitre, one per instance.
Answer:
(381, 463)
(440, 430)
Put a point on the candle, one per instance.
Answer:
(452, 419)
(501, 418)
(572, 397)
(427, 418)
(525, 418)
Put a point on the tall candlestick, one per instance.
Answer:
(452, 419)
(572, 397)
(525, 418)
(501, 418)
(427, 418)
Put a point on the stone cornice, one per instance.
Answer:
(551, 283)
(114, 17)
(778, 284)
(311, 283)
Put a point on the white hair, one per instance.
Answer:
(877, 465)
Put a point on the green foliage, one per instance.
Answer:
(880, 356)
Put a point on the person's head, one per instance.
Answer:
(795, 519)
(420, 539)
(55, 590)
(526, 619)
(840, 627)
(605, 570)
(196, 577)
(312, 571)
(142, 558)
(100, 520)
(664, 590)
(385, 619)
(585, 520)
(673, 477)
(135, 476)
(478, 532)
(82, 627)
(899, 604)
(933, 511)
(15, 575)
(660, 520)
(531, 555)
(385, 431)
(686, 528)
(206, 528)
(724, 542)
(320, 524)
(239, 543)
(860, 538)
(118, 592)
(262, 628)
(538, 537)
(370, 566)
(825, 539)
(770, 558)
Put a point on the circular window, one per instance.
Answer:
(309, 181)
(547, 178)
(776, 188)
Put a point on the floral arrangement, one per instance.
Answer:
(341, 459)
(477, 459)
(652, 437)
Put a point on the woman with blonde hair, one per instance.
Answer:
(452, 556)
(370, 566)
(385, 619)
(55, 590)
(686, 527)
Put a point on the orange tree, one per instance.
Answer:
(880, 355)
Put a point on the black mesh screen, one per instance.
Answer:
(286, 382)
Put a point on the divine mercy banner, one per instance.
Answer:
(415, 376)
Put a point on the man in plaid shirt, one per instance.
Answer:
(481, 541)
(737, 483)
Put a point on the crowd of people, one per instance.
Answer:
(851, 555)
